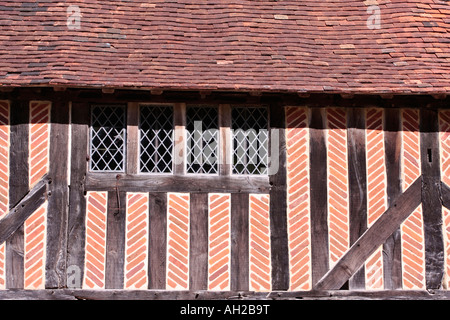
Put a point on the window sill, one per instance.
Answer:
(176, 183)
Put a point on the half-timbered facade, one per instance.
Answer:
(251, 149)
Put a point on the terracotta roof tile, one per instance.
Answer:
(229, 45)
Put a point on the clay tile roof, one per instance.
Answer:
(277, 45)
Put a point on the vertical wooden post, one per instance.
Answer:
(392, 248)
(18, 179)
(318, 175)
(239, 242)
(432, 209)
(58, 200)
(198, 277)
(115, 240)
(77, 201)
(357, 185)
(278, 201)
(158, 242)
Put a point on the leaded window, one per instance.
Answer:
(156, 131)
(107, 138)
(250, 140)
(202, 128)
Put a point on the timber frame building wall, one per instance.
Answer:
(359, 200)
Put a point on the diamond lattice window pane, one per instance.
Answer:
(250, 140)
(202, 127)
(156, 139)
(107, 138)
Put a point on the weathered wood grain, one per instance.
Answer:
(198, 256)
(77, 201)
(22, 210)
(175, 183)
(392, 255)
(357, 185)
(445, 195)
(18, 184)
(239, 241)
(431, 203)
(318, 176)
(115, 240)
(58, 199)
(375, 236)
(278, 201)
(224, 296)
(157, 240)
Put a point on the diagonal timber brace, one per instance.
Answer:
(372, 239)
(22, 210)
(445, 195)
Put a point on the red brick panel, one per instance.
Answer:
(260, 252)
(298, 198)
(177, 277)
(2, 267)
(35, 249)
(446, 229)
(39, 142)
(95, 250)
(35, 225)
(136, 242)
(338, 189)
(412, 233)
(4, 177)
(219, 242)
(376, 190)
(444, 138)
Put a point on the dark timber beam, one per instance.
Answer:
(58, 200)
(21, 211)
(445, 195)
(278, 217)
(174, 183)
(229, 297)
(372, 239)
(392, 248)
(18, 187)
(357, 184)
(431, 202)
(318, 190)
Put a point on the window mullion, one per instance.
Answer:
(225, 147)
(179, 120)
(132, 138)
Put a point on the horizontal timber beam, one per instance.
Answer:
(175, 183)
(372, 238)
(163, 95)
(119, 294)
(22, 210)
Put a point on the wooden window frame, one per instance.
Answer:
(138, 153)
(218, 141)
(179, 180)
(91, 138)
(232, 151)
